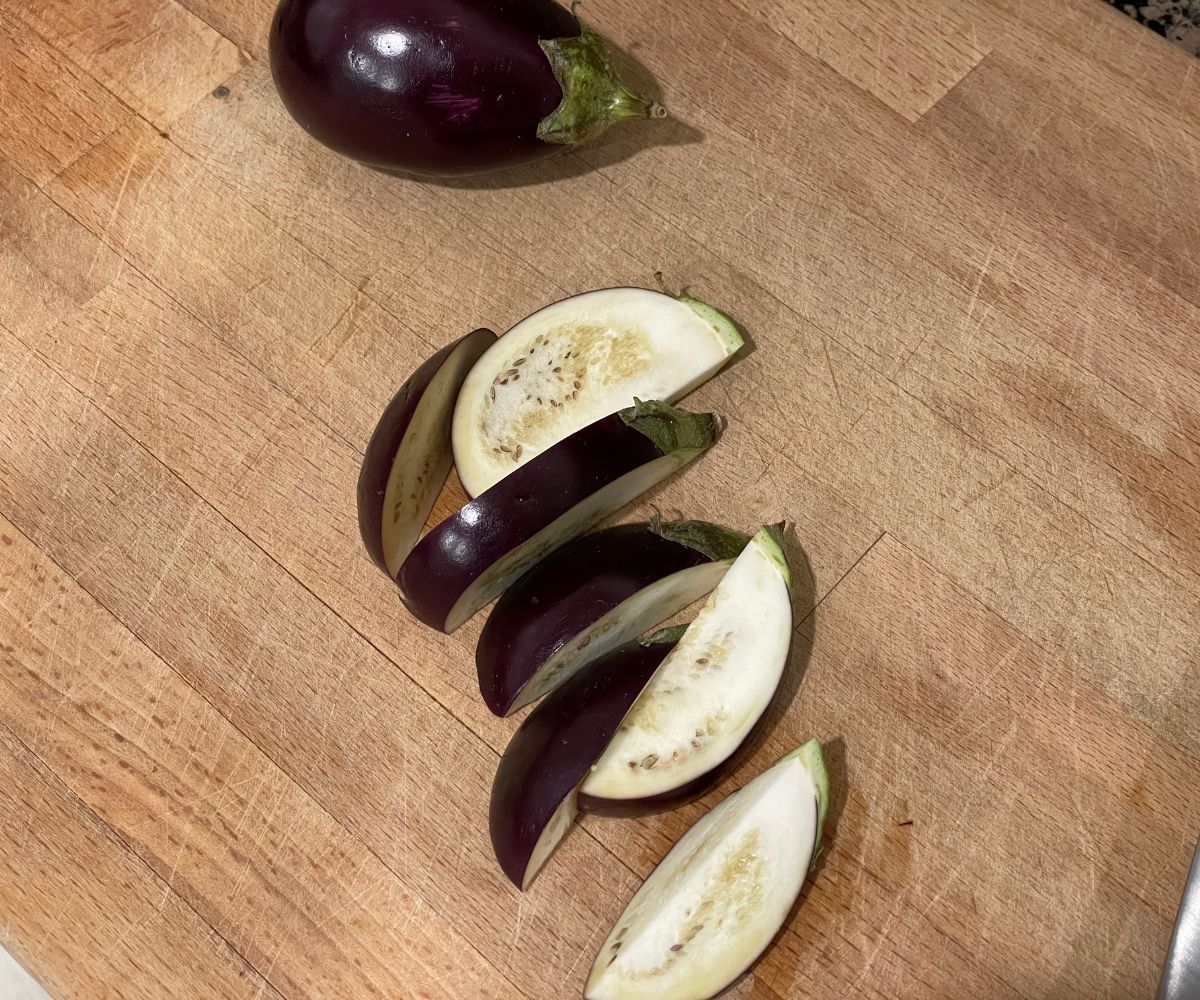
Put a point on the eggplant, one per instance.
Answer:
(575, 361)
(533, 795)
(446, 87)
(472, 556)
(714, 903)
(408, 457)
(708, 697)
(591, 596)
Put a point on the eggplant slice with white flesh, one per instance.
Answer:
(408, 457)
(591, 596)
(533, 794)
(715, 902)
(471, 557)
(575, 361)
(709, 694)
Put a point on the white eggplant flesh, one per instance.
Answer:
(706, 698)
(576, 361)
(716, 901)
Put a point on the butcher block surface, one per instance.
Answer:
(963, 237)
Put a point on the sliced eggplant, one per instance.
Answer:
(471, 557)
(591, 596)
(709, 694)
(576, 361)
(533, 795)
(408, 457)
(714, 903)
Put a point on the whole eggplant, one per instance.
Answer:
(445, 87)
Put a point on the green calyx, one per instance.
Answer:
(709, 539)
(770, 540)
(593, 95)
(673, 431)
(810, 756)
(725, 328)
(671, 634)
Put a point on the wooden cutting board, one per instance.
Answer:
(963, 237)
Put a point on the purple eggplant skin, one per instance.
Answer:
(550, 754)
(468, 545)
(388, 439)
(573, 589)
(443, 87)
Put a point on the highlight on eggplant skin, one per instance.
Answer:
(408, 458)
(445, 87)
(471, 557)
(533, 795)
(593, 594)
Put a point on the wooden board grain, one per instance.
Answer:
(959, 237)
(72, 889)
(153, 55)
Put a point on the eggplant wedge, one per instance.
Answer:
(533, 795)
(708, 696)
(408, 457)
(593, 595)
(472, 556)
(715, 902)
(575, 361)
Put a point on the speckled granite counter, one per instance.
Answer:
(1178, 20)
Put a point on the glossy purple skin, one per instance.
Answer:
(564, 736)
(567, 593)
(449, 558)
(427, 86)
(389, 435)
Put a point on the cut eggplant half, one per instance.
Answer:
(533, 795)
(709, 694)
(591, 596)
(715, 902)
(408, 457)
(576, 361)
(471, 557)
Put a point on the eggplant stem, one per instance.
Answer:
(670, 429)
(593, 96)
